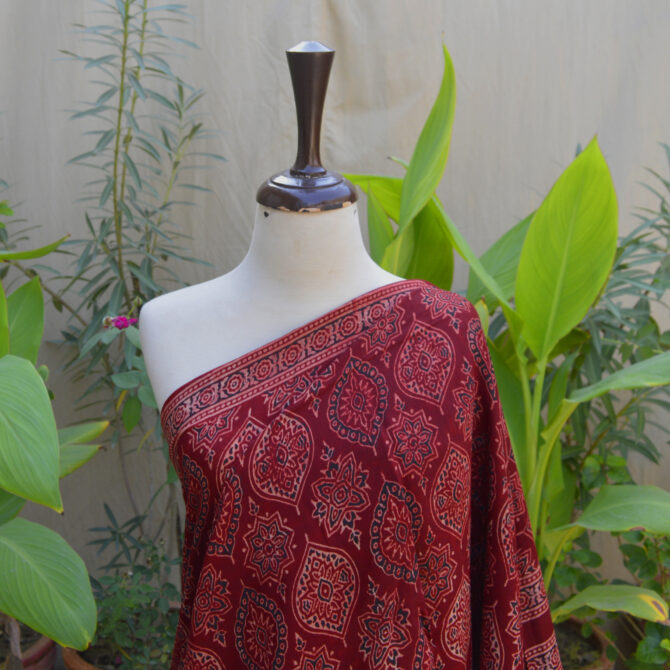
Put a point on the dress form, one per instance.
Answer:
(306, 258)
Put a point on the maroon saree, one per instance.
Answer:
(352, 500)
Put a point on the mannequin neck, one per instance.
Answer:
(302, 253)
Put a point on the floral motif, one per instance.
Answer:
(413, 441)
(384, 629)
(340, 494)
(269, 547)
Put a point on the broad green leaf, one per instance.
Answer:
(25, 309)
(31, 253)
(511, 396)
(73, 456)
(568, 251)
(28, 439)
(431, 151)
(484, 315)
(5, 209)
(548, 441)
(380, 230)
(4, 323)
(642, 603)
(654, 371)
(45, 584)
(500, 260)
(82, 432)
(422, 250)
(562, 506)
(10, 505)
(386, 189)
(459, 243)
(570, 342)
(624, 507)
(75, 449)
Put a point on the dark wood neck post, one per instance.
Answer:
(307, 186)
(309, 64)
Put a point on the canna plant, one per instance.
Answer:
(43, 581)
(531, 289)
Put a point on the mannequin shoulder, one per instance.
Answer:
(161, 313)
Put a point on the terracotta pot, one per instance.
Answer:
(73, 661)
(40, 655)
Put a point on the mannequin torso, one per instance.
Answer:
(298, 267)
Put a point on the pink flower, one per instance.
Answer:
(120, 322)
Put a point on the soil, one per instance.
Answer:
(101, 658)
(576, 651)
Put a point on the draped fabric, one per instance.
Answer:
(352, 500)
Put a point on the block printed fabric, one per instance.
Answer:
(352, 500)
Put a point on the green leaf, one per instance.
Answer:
(82, 432)
(500, 260)
(132, 170)
(104, 140)
(568, 251)
(386, 189)
(74, 448)
(639, 602)
(459, 243)
(431, 151)
(45, 584)
(143, 277)
(626, 507)
(73, 456)
(126, 380)
(422, 250)
(146, 396)
(654, 371)
(4, 323)
(132, 412)
(106, 192)
(28, 437)
(134, 336)
(511, 396)
(25, 309)
(379, 228)
(5, 209)
(10, 505)
(31, 253)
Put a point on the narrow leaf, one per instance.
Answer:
(431, 150)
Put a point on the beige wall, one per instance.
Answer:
(534, 79)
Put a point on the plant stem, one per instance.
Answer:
(533, 429)
(129, 132)
(528, 466)
(118, 215)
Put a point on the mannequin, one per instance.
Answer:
(351, 495)
(306, 257)
(298, 267)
